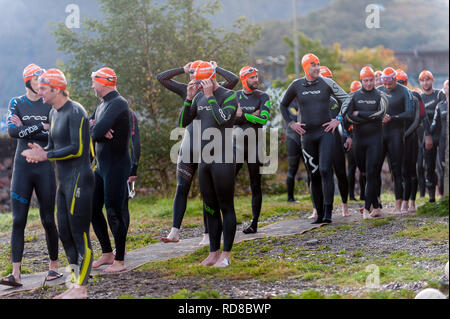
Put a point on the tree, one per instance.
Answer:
(139, 39)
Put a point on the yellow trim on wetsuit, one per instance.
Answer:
(94, 160)
(86, 261)
(72, 206)
(80, 149)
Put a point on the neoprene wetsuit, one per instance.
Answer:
(113, 170)
(440, 125)
(314, 111)
(68, 145)
(27, 177)
(248, 150)
(216, 175)
(186, 169)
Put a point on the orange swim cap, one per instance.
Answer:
(204, 71)
(54, 78)
(245, 73)
(32, 70)
(355, 86)
(366, 72)
(307, 60)
(325, 72)
(105, 76)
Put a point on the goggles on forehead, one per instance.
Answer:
(387, 78)
(44, 80)
(107, 78)
(249, 71)
(38, 72)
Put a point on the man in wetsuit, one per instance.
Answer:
(252, 113)
(409, 171)
(215, 107)
(186, 168)
(431, 97)
(366, 111)
(399, 110)
(68, 145)
(440, 125)
(313, 93)
(110, 130)
(28, 122)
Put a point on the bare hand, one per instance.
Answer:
(256, 113)
(208, 88)
(331, 126)
(16, 121)
(239, 110)
(428, 142)
(35, 153)
(355, 113)
(214, 64)
(298, 127)
(191, 90)
(132, 179)
(91, 122)
(349, 143)
(109, 134)
(46, 126)
(187, 67)
(386, 119)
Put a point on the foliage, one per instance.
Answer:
(140, 39)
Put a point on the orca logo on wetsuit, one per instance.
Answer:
(430, 103)
(248, 108)
(203, 108)
(34, 117)
(311, 92)
(367, 102)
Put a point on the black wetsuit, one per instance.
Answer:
(186, 168)
(351, 171)
(216, 175)
(368, 138)
(294, 151)
(68, 145)
(339, 153)
(113, 170)
(400, 108)
(409, 167)
(27, 176)
(431, 101)
(248, 150)
(317, 145)
(440, 125)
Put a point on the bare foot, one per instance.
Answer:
(223, 261)
(366, 214)
(105, 259)
(211, 259)
(314, 214)
(345, 211)
(173, 236)
(117, 266)
(376, 213)
(396, 212)
(61, 296)
(76, 292)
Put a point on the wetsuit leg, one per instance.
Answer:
(395, 149)
(115, 189)
(45, 189)
(373, 169)
(98, 219)
(441, 164)
(21, 191)
(339, 166)
(74, 204)
(185, 174)
(409, 167)
(420, 162)
(294, 150)
(351, 170)
(255, 186)
(430, 168)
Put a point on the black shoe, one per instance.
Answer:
(319, 220)
(292, 200)
(249, 230)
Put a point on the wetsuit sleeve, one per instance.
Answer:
(409, 108)
(264, 115)
(223, 115)
(100, 128)
(341, 96)
(24, 131)
(288, 97)
(188, 112)
(165, 78)
(350, 108)
(231, 79)
(416, 121)
(135, 144)
(435, 125)
(50, 144)
(75, 149)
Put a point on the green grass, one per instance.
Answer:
(439, 208)
(432, 231)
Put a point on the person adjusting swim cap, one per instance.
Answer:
(355, 86)
(53, 78)
(307, 61)
(205, 71)
(244, 74)
(324, 71)
(105, 76)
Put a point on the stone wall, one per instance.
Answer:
(7, 150)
